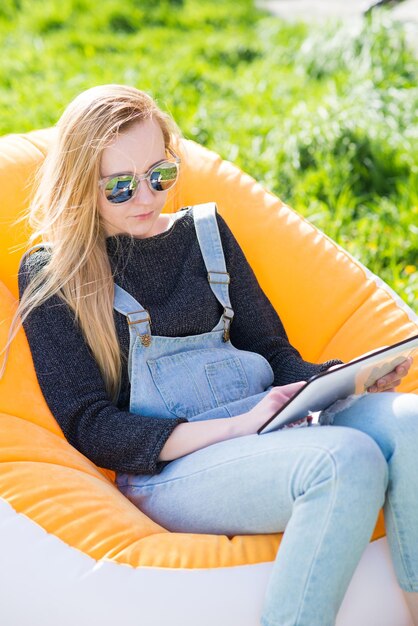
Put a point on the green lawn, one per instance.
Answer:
(326, 117)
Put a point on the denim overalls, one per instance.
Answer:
(201, 376)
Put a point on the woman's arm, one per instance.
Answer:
(75, 393)
(187, 438)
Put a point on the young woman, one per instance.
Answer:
(160, 357)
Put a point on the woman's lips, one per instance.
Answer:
(143, 216)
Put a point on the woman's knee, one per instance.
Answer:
(358, 462)
(384, 405)
(387, 418)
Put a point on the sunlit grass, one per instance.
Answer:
(324, 116)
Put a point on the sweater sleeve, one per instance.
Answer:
(256, 325)
(75, 392)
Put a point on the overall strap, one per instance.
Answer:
(138, 318)
(210, 243)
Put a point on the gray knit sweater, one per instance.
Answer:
(166, 274)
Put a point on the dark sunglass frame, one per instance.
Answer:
(138, 178)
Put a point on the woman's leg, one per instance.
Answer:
(391, 419)
(324, 484)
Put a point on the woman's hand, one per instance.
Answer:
(250, 422)
(390, 381)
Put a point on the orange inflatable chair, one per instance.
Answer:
(73, 549)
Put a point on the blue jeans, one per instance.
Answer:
(323, 484)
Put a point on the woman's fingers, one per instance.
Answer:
(285, 392)
(387, 386)
(390, 381)
(278, 396)
(403, 368)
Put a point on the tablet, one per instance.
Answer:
(354, 377)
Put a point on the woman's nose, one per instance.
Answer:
(144, 194)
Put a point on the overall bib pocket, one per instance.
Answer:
(227, 380)
(196, 381)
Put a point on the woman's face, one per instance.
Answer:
(134, 150)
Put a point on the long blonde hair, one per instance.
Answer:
(64, 213)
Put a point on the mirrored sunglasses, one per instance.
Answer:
(120, 188)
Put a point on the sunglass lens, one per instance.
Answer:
(163, 176)
(120, 189)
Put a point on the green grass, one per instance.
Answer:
(324, 116)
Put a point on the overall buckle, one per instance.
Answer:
(220, 275)
(228, 316)
(145, 337)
